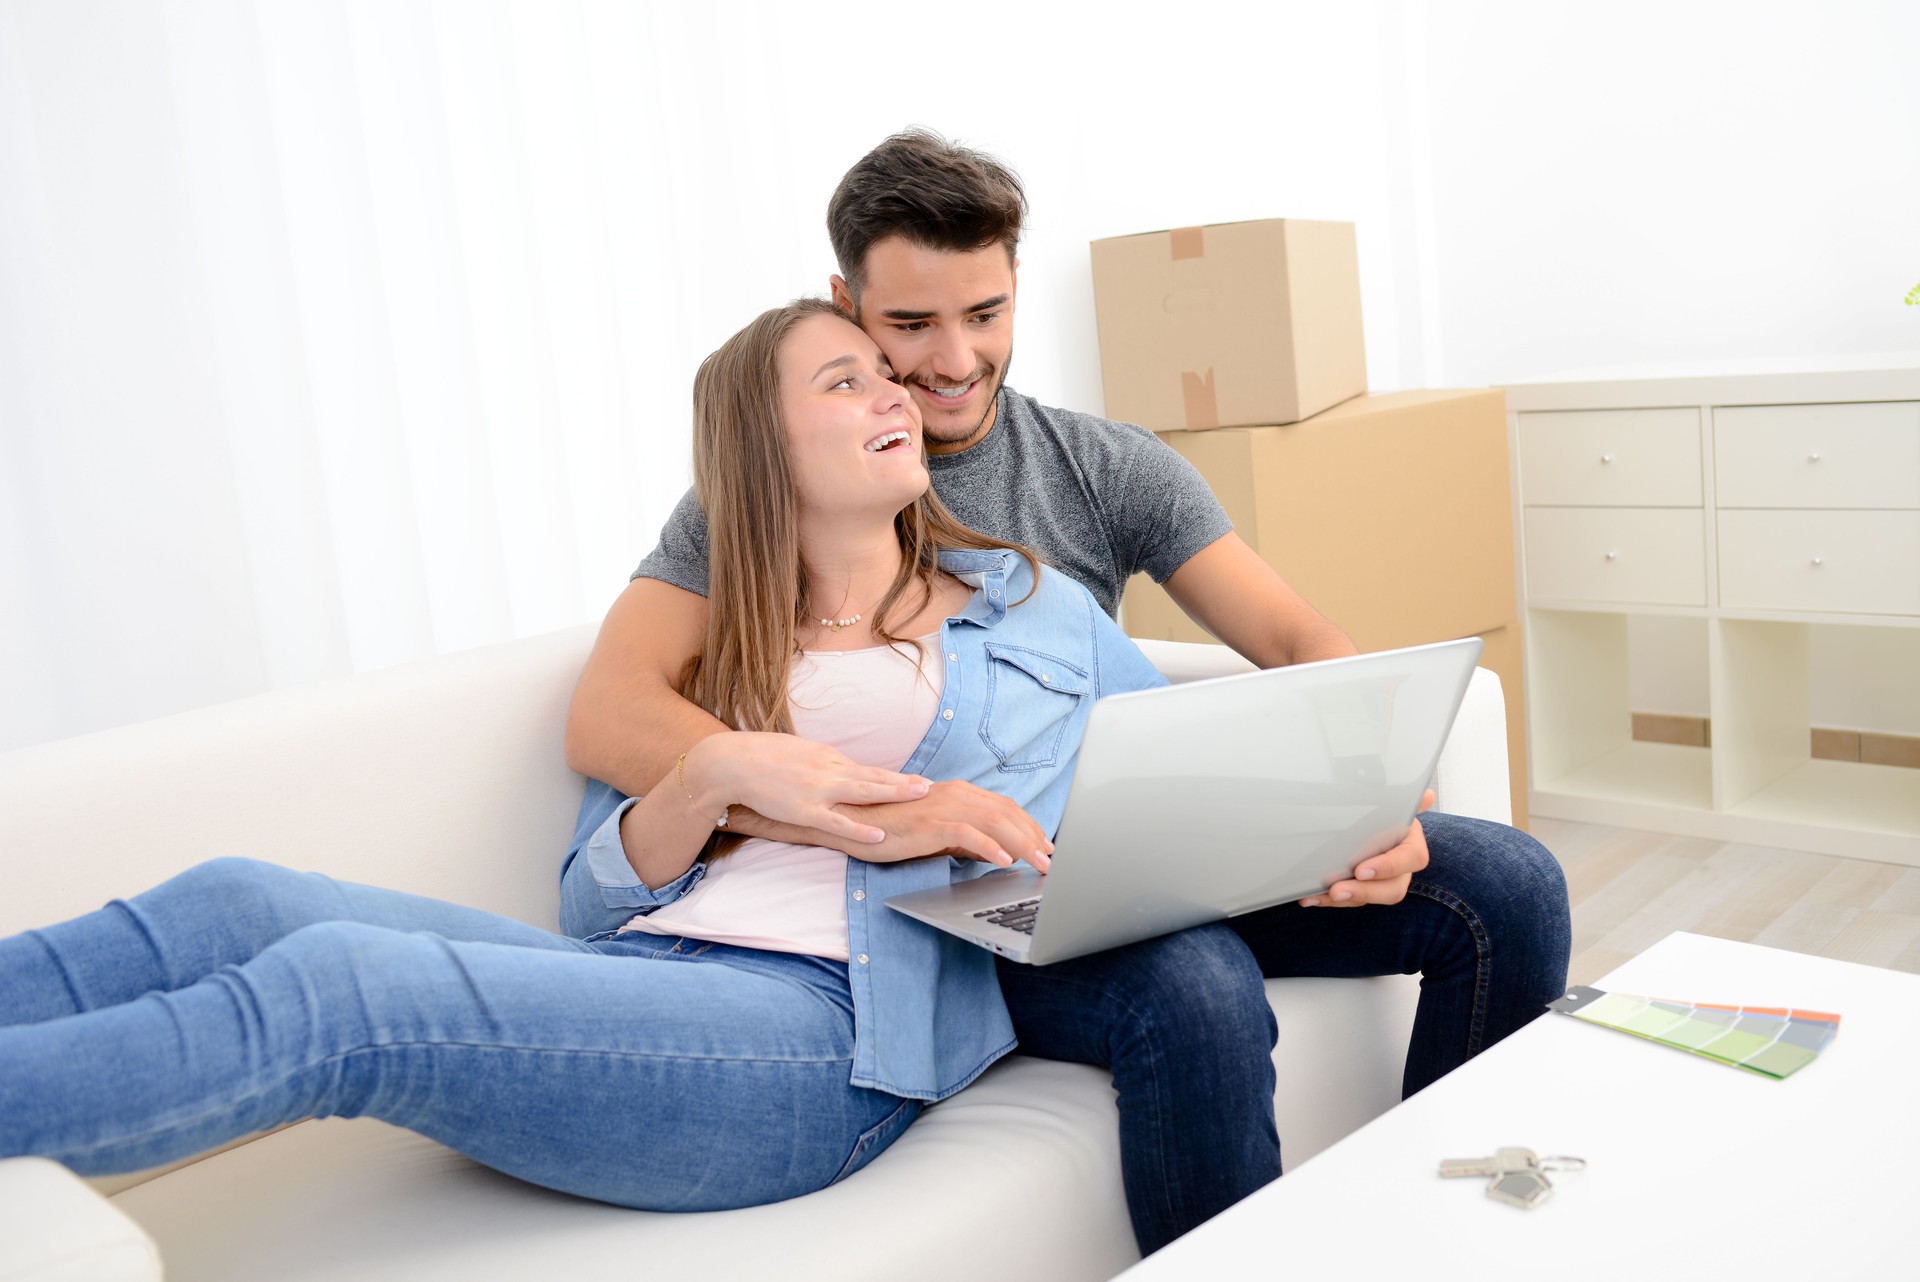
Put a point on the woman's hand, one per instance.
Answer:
(954, 818)
(1384, 878)
(796, 781)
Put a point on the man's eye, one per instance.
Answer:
(911, 327)
(986, 318)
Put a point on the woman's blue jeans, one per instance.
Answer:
(1184, 1024)
(639, 1070)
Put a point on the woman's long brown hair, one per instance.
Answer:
(757, 584)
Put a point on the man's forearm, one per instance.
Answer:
(1232, 593)
(1307, 644)
(631, 738)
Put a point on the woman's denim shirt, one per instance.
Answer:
(1020, 683)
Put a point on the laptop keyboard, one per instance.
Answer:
(1013, 916)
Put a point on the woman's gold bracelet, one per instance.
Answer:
(680, 769)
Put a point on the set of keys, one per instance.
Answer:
(1516, 1176)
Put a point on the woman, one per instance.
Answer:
(763, 1026)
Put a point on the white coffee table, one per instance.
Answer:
(1694, 1167)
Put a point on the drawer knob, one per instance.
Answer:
(1814, 457)
(1607, 457)
(1613, 556)
(1819, 561)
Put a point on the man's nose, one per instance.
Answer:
(952, 355)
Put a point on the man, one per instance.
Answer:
(925, 234)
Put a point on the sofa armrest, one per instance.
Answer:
(53, 1228)
(1471, 778)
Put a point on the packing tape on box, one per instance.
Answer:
(1188, 242)
(1202, 406)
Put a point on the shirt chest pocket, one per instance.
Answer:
(1031, 700)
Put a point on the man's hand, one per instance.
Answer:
(796, 781)
(954, 818)
(1382, 879)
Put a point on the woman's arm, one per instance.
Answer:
(667, 828)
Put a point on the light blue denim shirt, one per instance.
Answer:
(1019, 685)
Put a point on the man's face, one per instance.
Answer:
(945, 321)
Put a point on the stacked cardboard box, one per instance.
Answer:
(1240, 344)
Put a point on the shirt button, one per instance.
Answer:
(859, 895)
(1045, 678)
(947, 715)
(953, 658)
(994, 593)
(863, 959)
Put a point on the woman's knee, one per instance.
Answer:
(239, 887)
(349, 946)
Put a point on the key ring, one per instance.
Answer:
(1563, 1163)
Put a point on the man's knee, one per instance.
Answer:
(1512, 885)
(1499, 861)
(1202, 986)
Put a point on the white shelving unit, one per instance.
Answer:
(1766, 501)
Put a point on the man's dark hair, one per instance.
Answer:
(937, 194)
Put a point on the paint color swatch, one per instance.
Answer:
(1770, 1040)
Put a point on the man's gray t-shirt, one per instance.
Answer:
(1098, 499)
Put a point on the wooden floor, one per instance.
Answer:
(1630, 889)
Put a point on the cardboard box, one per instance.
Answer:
(1236, 324)
(1390, 514)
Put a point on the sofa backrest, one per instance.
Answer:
(444, 777)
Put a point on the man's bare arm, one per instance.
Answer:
(628, 725)
(1231, 592)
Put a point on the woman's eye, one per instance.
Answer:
(845, 382)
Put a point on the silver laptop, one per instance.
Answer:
(1193, 802)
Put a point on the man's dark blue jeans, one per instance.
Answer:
(1183, 1020)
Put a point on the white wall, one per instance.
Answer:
(1651, 182)
(337, 334)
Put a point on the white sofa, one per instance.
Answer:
(445, 777)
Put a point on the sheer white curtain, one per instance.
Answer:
(339, 333)
(331, 336)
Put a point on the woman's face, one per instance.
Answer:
(853, 434)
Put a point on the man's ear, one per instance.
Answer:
(842, 295)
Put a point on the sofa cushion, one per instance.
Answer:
(53, 1228)
(1033, 1144)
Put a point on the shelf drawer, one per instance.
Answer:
(1831, 562)
(1611, 458)
(1818, 456)
(1627, 556)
